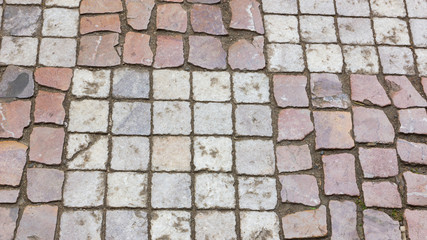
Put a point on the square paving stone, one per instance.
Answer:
(257, 193)
(213, 118)
(171, 84)
(378, 162)
(58, 78)
(169, 52)
(391, 31)
(88, 83)
(136, 49)
(421, 61)
(127, 189)
(131, 83)
(253, 120)
(171, 17)
(381, 194)
(372, 125)
(171, 153)
(317, 29)
(130, 153)
(37, 222)
(81, 224)
(88, 116)
(44, 185)
(211, 86)
(396, 60)
(24, 1)
(301, 189)
(251, 88)
(86, 151)
(245, 55)
(417, 229)
(131, 118)
(340, 174)
(58, 52)
(333, 130)
(255, 157)
(21, 20)
(208, 52)
(60, 22)
(324, 58)
(290, 90)
(84, 189)
(280, 6)
(327, 91)
(379, 225)
(281, 28)
(294, 124)
(126, 224)
(18, 51)
(416, 188)
(9, 217)
(388, 8)
(306, 224)
(215, 225)
(171, 190)
(416, 8)
(259, 224)
(46, 144)
(17, 82)
(343, 219)
(285, 58)
(361, 59)
(323, 7)
(171, 117)
(293, 158)
(212, 153)
(63, 3)
(170, 225)
(353, 7)
(49, 107)
(214, 190)
(355, 30)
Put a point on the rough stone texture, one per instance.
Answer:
(333, 130)
(110, 22)
(37, 222)
(130, 153)
(251, 87)
(63, 3)
(424, 83)
(212, 153)
(94, 84)
(340, 174)
(171, 153)
(380, 226)
(131, 83)
(87, 152)
(259, 225)
(207, 19)
(416, 219)
(171, 17)
(327, 91)
(171, 117)
(300, 189)
(15, 117)
(18, 51)
(381, 194)
(136, 49)
(214, 190)
(416, 188)
(305, 224)
(171, 84)
(280, 6)
(207, 52)
(21, 20)
(170, 51)
(372, 125)
(343, 220)
(131, 118)
(99, 50)
(244, 55)
(353, 8)
(253, 120)
(215, 225)
(211, 86)
(9, 217)
(285, 58)
(127, 189)
(367, 89)
(81, 224)
(44, 185)
(59, 78)
(317, 29)
(293, 158)
(8, 196)
(46, 145)
(391, 31)
(84, 189)
(413, 120)
(419, 32)
(88, 116)
(255, 157)
(196, 1)
(49, 107)
(421, 58)
(388, 8)
(139, 13)
(378, 162)
(412, 152)
(170, 225)
(126, 224)
(58, 52)
(355, 30)
(257, 193)
(213, 118)
(245, 14)
(403, 94)
(281, 28)
(294, 124)
(361, 59)
(60, 22)
(171, 190)
(324, 57)
(100, 6)
(17, 82)
(396, 60)
(290, 90)
(12, 162)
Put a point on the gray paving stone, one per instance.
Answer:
(211, 86)
(353, 7)
(361, 59)
(421, 55)
(396, 60)
(257, 193)
(419, 32)
(130, 153)
(17, 82)
(88, 116)
(58, 52)
(171, 84)
(60, 22)
(131, 118)
(324, 58)
(255, 157)
(280, 6)
(131, 83)
(388, 8)
(213, 118)
(84, 189)
(281, 28)
(215, 225)
(171, 117)
(253, 120)
(88, 83)
(213, 153)
(126, 224)
(416, 8)
(317, 29)
(285, 58)
(171, 153)
(259, 225)
(18, 51)
(171, 190)
(21, 20)
(214, 190)
(251, 88)
(81, 224)
(127, 189)
(323, 7)
(391, 31)
(355, 30)
(170, 225)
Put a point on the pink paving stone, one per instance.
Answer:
(44, 185)
(378, 225)
(424, 83)
(207, 19)
(381, 194)
(245, 14)
(244, 55)
(49, 108)
(412, 152)
(372, 125)
(99, 50)
(300, 189)
(59, 78)
(333, 130)
(367, 89)
(343, 220)
(327, 92)
(8, 218)
(413, 120)
(378, 162)
(9, 196)
(171, 17)
(15, 116)
(46, 145)
(294, 124)
(100, 6)
(110, 22)
(416, 221)
(289, 90)
(170, 51)
(305, 224)
(293, 158)
(137, 49)
(416, 189)
(38, 222)
(12, 161)
(340, 174)
(207, 52)
(403, 94)
(139, 13)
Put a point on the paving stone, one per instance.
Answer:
(294, 124)
(9, 217)
(403, 93)
(136, 49)
(60, 22)
(16, 82)
(8, 196)
(139, 13)
(261, 225)
(361, 59)
(388, 8)
(37, 222)
(257, 193)
(281, 28)
(130, 153)
(415, 8)
(46, 145)
(424, 83)
(251, 88)
(293, 158)
(416, 188)
(87, 152)
(21, 20)
(170, 51)
(317, 29)
(110, 22)
(343, 220)
(131, 118)
(305, 224)
(355, 30)
(245, 14)
(379, 225)
(88, 116)
(381, 194)
(196, 1)
(280, 6)
(213, 118)
(324, 58)
(12, 161)
(214, 190)
(421, 55)
(300, 189)
(63, 3)
(255, 157)
(212, 153)
(49, 108)
(285, 58)
(58, 52)
(392, 31)
(290, 90)
(207, 19)
(171, 117)
(244, 55)
(170, 190)
(100, 6)
(413, 120)
(59, 78)
(207, 52)
(126, 224)
(127, 189)
(91, 83)
(99, 50)
(81, 224)
(340, 174)
(333, 130)
(19, 51)
(171, 17)
(378, 162)
(44, 185)
(171, 153)
(170, 225)
(327, 91)
(323, 7)
(253, 120)
(411, 152)
(215, 225)
(415, 220)
(372, 125)
(24, 1)
(396, 60)
(131, 83)
(84, 189)
(171, 84)
(367, 89)
(353, 8)
(211, 86)
(15, 117)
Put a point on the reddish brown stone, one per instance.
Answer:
(170, 51)
(417, 227)
(289, 90)
(413, 120)
(9, 196)
(300, 188)
(381, 194)
(403, 94)
(343, 220)
(171, 17)
(13, 156)
(8, 218)
(367, 89)
(98, 23)
(306, 224)
(14, 117)
(416, 188)
(333, 130)
(372, 125)
(137, 49)
(49, 108)
(378, 225)
(424, 83)
(46, 145)
(207, 19)
(59, 78)
(44, 185)
(38, 222)
(293, 158)
(294, 124)
(207, 52)
(378, 162)
(139, 13)
(100, 6)
(244, 55)
(412, 152)
(245, 14)
(340, 174)
(99, 50)
(327, 92)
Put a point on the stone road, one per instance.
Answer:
(210, 119)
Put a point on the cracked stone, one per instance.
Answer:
(327, 91)
(99, 50)
(244, 55)
(87, 152)
(139, 13)
(245, 14)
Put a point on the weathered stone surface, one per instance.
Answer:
(378, 225)
(367, 89)
(170, 51)
(60, 22)
(340, 174)
(245, 14)
(285, 58)
(63, 3)
(139, 13)
(257, 193)
(171, 17)
(98, 23)
(21, 20)
(403, 94)
(253, 120)
(211, 86)
(126, 224)
(127, 189)
(413, 120)
(100, 6)
(16, 82)
(416, 219)
(317, 28)
(293, 158)
(88, 116)
(18, 51)
(378, 162)
(8, 196)
(214, 190)
(391, 31)
(170, 225)
(381, 194)
(99, 50)
(131, 83)
(215, 225)
(280, 28)
(213, 118)
(416, 188)
(255, 157)
(396, 60)
(353, 8)
(59, 78)
(171, 84)
(78, 224)
(207, 19)
(15, 117)
(46, 145)
(37, 222)
(372, 125)
(171, 117)
(244, 55)
(131, 118)
(8, 217)
(130, 153)
(305, 224)
(49, 108)
(324, 58)
(294, 124)
(251, 87)
(333, 130)
(171, 190)
(300, 189)
(289, 91)
(89, 83)
(343, 219)
(280, 6)
(12, 161)
(207, 52)
(355, 30)
(84, 189)
(412, 152)
(361, 59)
(198, 1)
(171, 153)
(213, 153)
(327, 92)
(136, 49)
(58, 52)
(424, 83)
(261, 225)
(44, 185)
(87, 152)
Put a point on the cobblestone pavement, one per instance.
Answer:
(209, 119)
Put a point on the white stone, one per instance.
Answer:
(213, 153)
(171, 153)
(281, 28)
(361, 59)
(259, 225)
(396, 60)
(171, 84)
(24, 1)
(127, 189)
(63, 3)
(421, 61)
(60, 22)
(170, 225)
(253, 120)
(317, 6)
(211, 86)
(324, 58)
(215, 225)
(84, 189)
(353, 7)
(419, 31)
(392, 31)
(251, 87)
(355, 30)
(417, 8)
(280, 6)
(18, 51)
(87, 152)
(257, 193)
(58, 52)
(81, 225)
(88, 116)
(171, 190)
(171, 117)
(255, 157)
(388, 8)
(317, 29)
(213, 118)
(214, 190)
(130, 153)
(91, 83)
(285, 58)
(126, 224)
